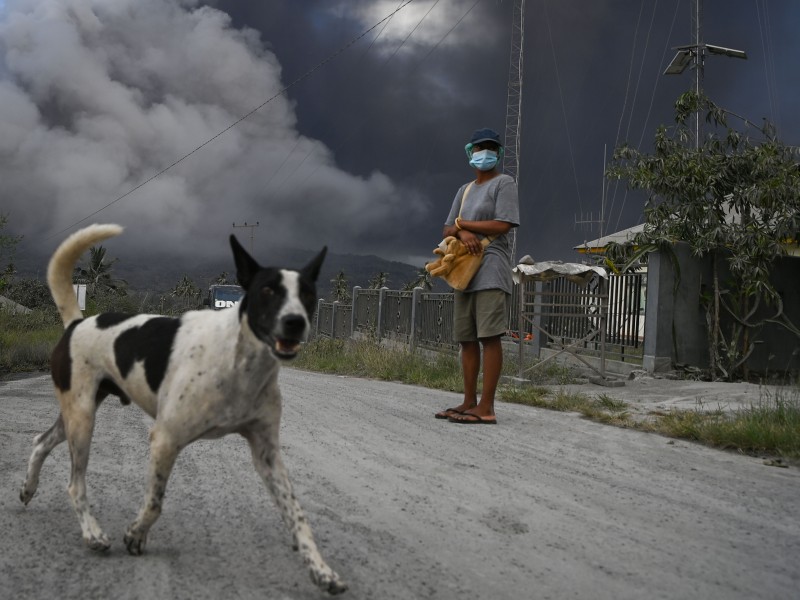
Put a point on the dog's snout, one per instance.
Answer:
(293, 326)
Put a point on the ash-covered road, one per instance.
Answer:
(543, 505)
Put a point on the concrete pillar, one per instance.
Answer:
(353, 318)
(659, 313)
(415, 317)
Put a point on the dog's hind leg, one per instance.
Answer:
(263, 440)
(163, 452)
(78, 411)
(43, 444)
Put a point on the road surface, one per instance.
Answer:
(542, 505)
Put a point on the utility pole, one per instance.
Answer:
(252, 228)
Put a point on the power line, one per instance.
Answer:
(299, 79)
(563, 108)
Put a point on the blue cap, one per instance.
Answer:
(485, 135)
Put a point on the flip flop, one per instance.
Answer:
(447, 412)
(470, 419)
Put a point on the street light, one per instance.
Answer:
(679, 63)
(695, 53)
(726, 51)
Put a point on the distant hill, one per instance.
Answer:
(156, 275)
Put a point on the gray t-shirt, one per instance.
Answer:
(493, 200)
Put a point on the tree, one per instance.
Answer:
(185, 288)
(8, 244)
(222, 279)
(378, 281)
(340, 292)
(29, 292)
(733, 198)
(423, 280)
(97, 274)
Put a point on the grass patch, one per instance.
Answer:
(366, 358)
(26, 341)
(550, 374)
(603, 409)
(770, 427)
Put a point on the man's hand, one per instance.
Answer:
(470, 240)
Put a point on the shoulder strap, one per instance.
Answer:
(491, 238)
(463, 197)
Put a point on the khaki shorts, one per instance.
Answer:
(478, 315)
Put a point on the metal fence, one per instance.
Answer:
(569, 313)
(417, 318)
(607, 312)
(333, 320)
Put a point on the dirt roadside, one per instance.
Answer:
(543, 505)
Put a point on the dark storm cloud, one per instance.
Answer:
(593, 79)
(366, 153)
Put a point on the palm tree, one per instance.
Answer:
(187, 289)
(380, 280)
(222, 279)
(341, 290)
(97, 274)
(423, 280)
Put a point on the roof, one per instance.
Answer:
(620, 237)
(528, 269)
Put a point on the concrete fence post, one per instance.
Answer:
(353, 317)
(416, 315)
(381, 298)
(316, 317)
(333, 319)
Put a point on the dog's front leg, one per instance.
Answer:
(163, 452)
(264, 443)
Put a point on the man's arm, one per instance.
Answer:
(467, 232)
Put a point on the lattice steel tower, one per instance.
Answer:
(514, 105)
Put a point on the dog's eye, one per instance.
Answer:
(266, 292)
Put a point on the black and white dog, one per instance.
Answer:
(203, 375)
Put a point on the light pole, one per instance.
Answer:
(696, 53)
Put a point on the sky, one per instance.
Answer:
(180, 119)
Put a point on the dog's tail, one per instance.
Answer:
(62, 264)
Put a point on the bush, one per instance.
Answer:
(26, 341)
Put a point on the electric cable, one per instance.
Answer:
(563, 108)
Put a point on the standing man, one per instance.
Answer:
(490, 209)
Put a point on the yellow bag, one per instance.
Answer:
(455, 264)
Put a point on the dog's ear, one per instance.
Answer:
(311, 270)
(246, 267)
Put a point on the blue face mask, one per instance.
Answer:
(484, 160)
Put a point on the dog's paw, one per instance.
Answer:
(328, 581)
(98, 543)
(134, 543)
(26, 494)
